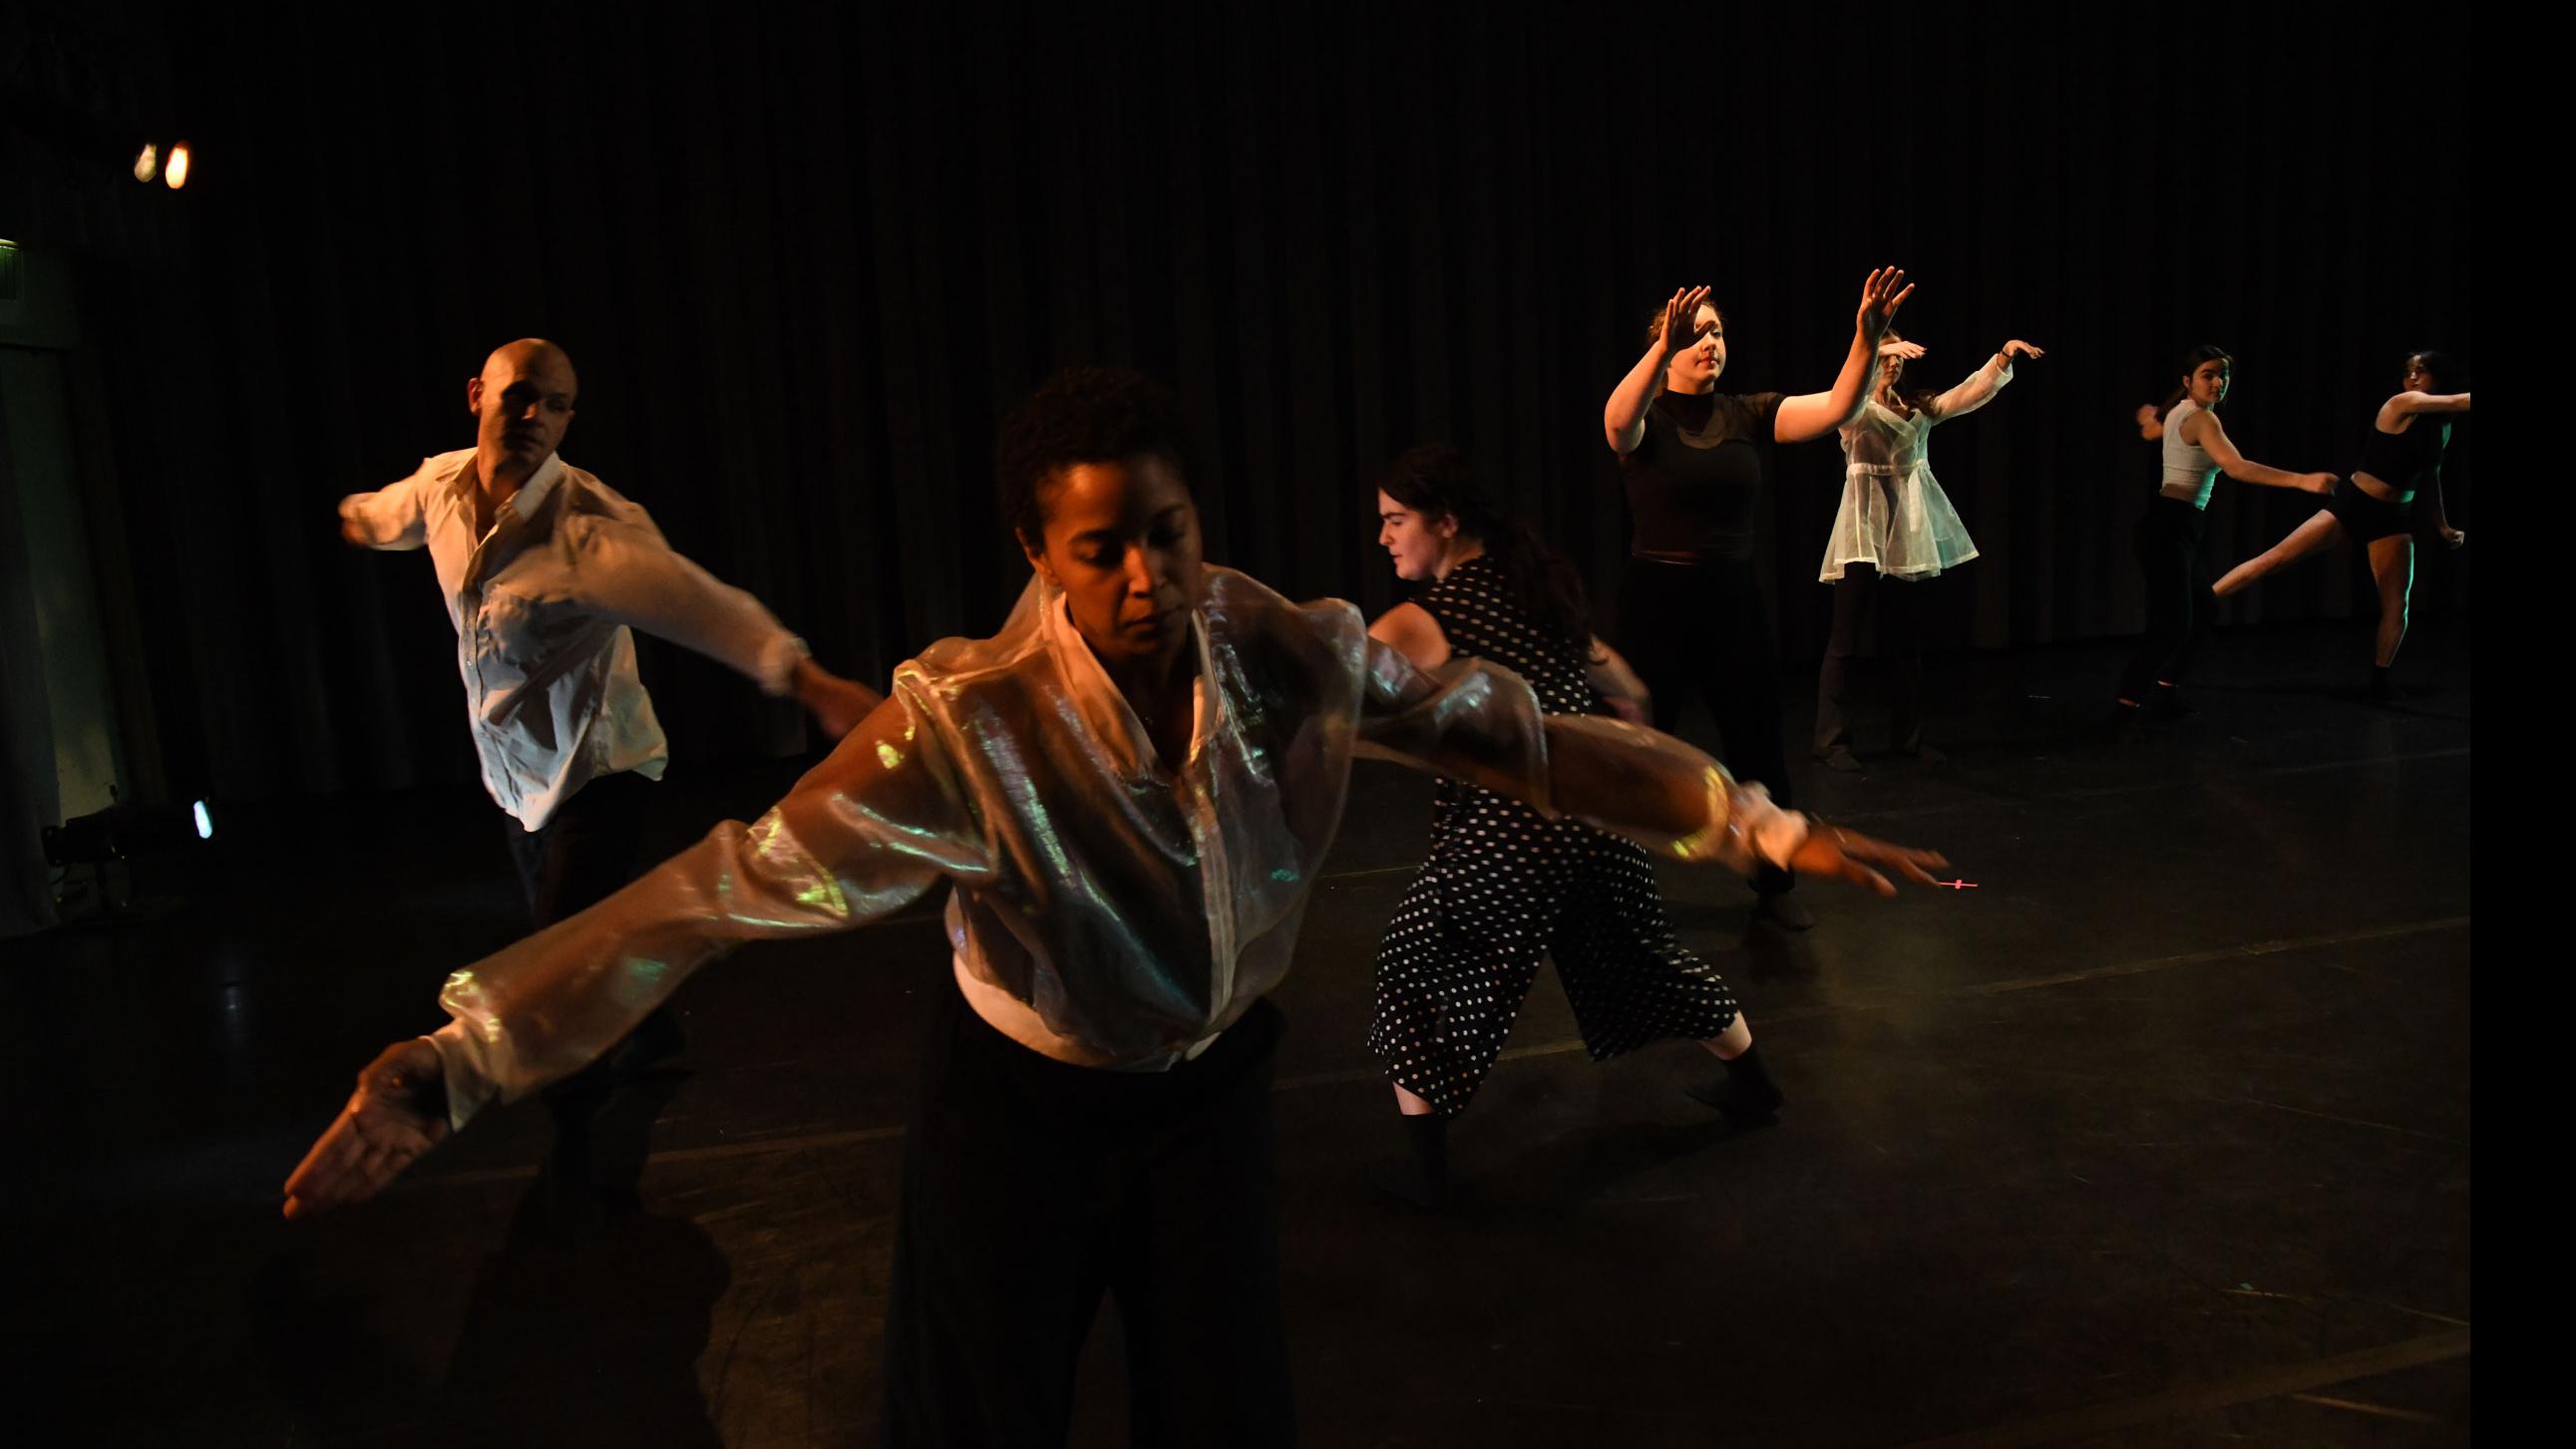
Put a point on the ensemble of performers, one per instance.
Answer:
(1130, 789)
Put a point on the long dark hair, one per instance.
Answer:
(2446, 371)
(2191, 361)
(1435, 481)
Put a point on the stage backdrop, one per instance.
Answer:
(804, 255)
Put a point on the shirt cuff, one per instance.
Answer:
(1770, 833)
(776, 667)
(468, 1089)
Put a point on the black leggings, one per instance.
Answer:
(1700, 631)
(2168, 548)
(1899, 605)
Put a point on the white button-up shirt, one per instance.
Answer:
(543, 602)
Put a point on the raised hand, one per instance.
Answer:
(1907, 350)
(1851, 856)
(398, 1112)
(2019, 348)
(1880, 296)
(1681, 320)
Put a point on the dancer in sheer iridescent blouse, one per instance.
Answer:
(1130, 790)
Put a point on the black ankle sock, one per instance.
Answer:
(1749, 1083)
(1422, 1176)
(1746, 1094)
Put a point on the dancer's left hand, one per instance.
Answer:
(2019, 348)
(2456, 538)
(1880, 296)
(1854, 857)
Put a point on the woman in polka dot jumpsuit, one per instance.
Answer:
(1505, 885)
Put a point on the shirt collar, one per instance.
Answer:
(531, 495)
(1103, 707)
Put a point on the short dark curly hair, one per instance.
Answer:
(1081, 415)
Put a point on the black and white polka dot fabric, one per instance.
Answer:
(1504, 886)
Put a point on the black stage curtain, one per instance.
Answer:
(804, 255)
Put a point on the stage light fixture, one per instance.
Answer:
(176, 173)
(147, 163)
(122, 831)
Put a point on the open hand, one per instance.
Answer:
(1880, 296)
(398, 1112)
(1857, 858)
(1681, 320)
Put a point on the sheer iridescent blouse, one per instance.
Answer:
(1137, 909)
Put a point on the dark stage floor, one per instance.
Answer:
(2160, 1135)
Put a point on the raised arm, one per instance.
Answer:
(1623, 418)
(1812, 415)
(2408, 403)
(2205, 430)
(868, 830)
(1980, 386)
(389, 518)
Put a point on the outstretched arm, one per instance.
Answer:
(629, 574)
(1812, 415)
(1481, 725)
(2406, 403)
(389, 518)
(1980, 386)
(2210, 434)
(868, 830)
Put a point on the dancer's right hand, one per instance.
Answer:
(837, 704)
(1852, 856)
(2319, 483)
(2146, 414)
(1681, 320)
(398, 1112)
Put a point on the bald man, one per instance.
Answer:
(546, 572)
